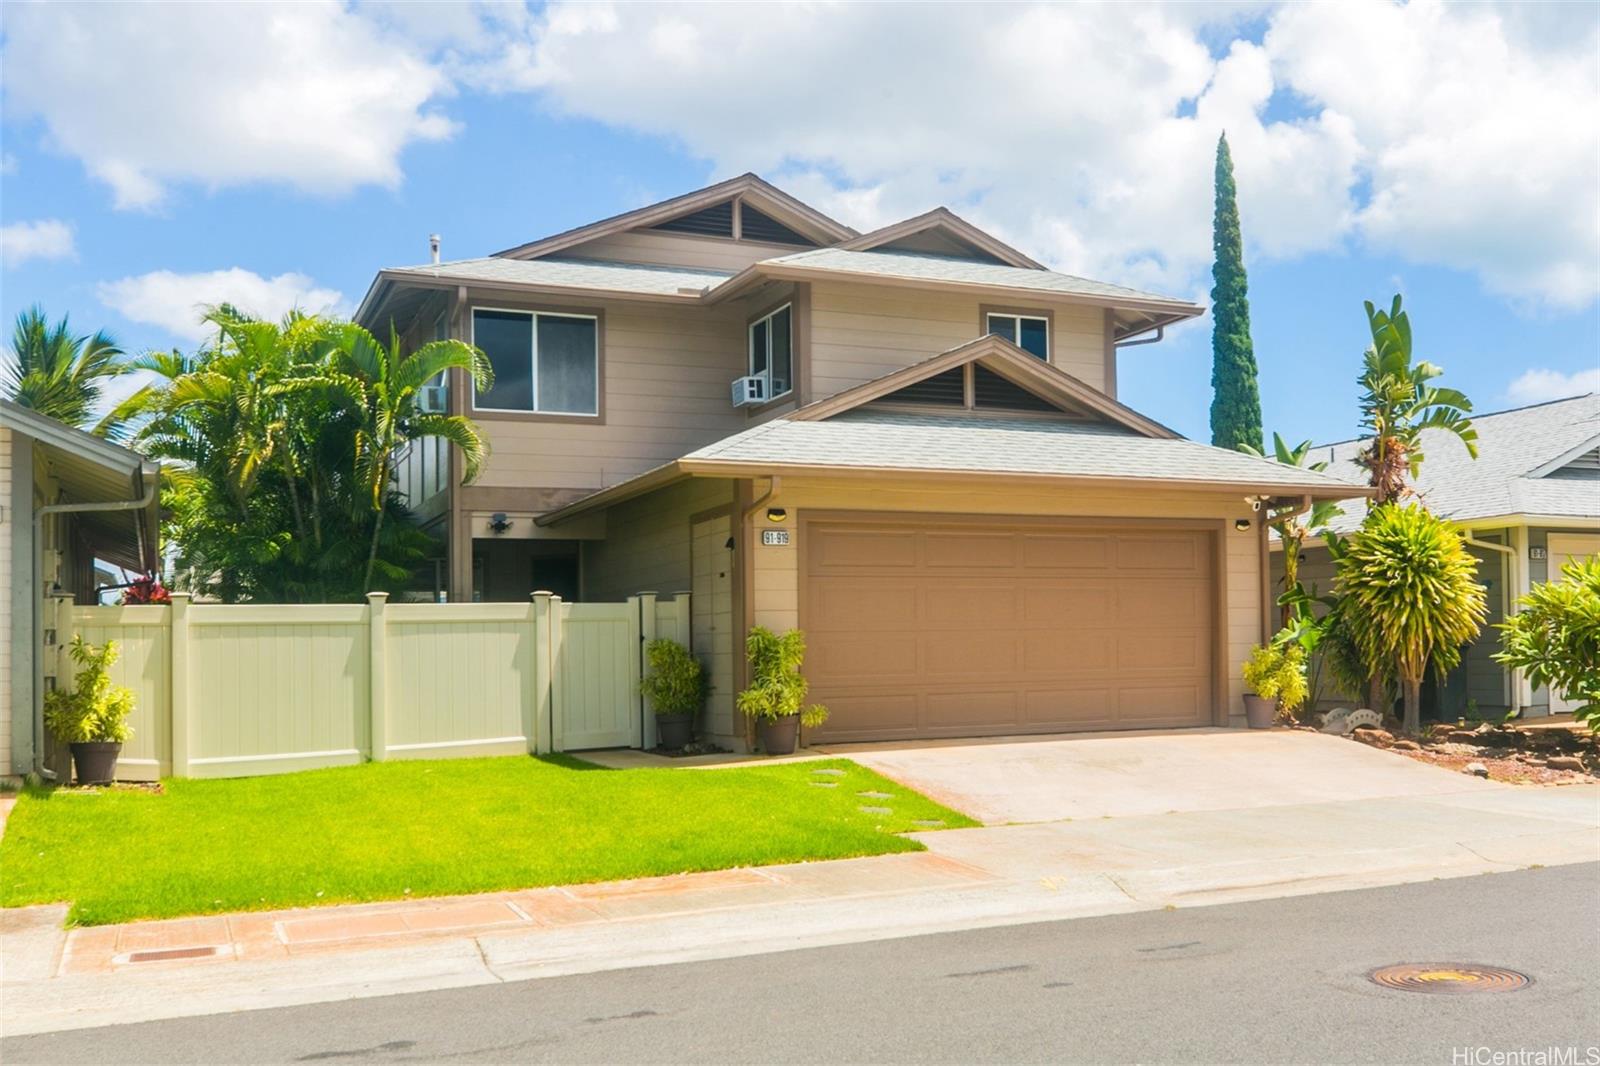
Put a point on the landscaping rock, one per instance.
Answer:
(1381, 738)
(1564, 762)
(1462, 736)
(1406, 745)
(1476, 769)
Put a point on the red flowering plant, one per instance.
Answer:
(147, 589)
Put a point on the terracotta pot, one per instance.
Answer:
(96, 761)
(1260, 712)
(674, 730)
(779, 736)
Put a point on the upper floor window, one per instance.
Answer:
(772, 351)
(544, 362)
(1028, 332)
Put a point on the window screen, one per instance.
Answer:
(567, 373)
(543, 363)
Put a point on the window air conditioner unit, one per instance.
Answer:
(747, 392)
(433, 399)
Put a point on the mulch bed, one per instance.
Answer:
(1512, 754)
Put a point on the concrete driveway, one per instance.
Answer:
(1100, 775)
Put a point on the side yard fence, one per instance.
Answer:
(235, 690)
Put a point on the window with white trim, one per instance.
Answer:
(544, 362)
(1031, 333)
(772, 351)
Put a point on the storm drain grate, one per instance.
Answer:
(1449, 977)
(171, 953)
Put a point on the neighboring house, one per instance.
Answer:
(1530, 501)
(67, 499)
(922, 463)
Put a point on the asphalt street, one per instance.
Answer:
(1280, 981)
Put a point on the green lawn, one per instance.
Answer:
(434, 828)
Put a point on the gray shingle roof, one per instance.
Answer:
(942, 268)
(1511, 445)
(575, 274)
(868, 437)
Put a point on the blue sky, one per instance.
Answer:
(502, 125)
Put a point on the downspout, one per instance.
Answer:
(1513, 676)
(1161, 331)
(39, 515)
(774, 483)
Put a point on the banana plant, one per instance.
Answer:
(1292, 524)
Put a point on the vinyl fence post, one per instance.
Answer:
(537, 713)
(63, 674)
(378, 676)
(647, 632)
(178, 682)
(558, 696)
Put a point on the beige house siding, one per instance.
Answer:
(775, 570)
(664, 378)
(677, 249)
(861, 332)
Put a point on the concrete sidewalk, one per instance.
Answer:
(996, 875)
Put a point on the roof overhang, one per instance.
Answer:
(89, 469)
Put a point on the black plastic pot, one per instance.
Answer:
(96, 761)
(674, 730)
(779, 736)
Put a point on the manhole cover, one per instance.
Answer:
(1449, 977)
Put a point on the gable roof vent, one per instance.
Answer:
(947, 390)
(1584, 467)
(755, 226)
(993, 391)
(714, 221)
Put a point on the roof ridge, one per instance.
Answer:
(1475, 416)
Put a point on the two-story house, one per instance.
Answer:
(906, 442)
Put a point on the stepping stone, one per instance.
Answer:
(830, 773)
(826, 784)
(927, 823)
(873, 795)
(876, 810)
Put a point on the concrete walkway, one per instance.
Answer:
(996, 875)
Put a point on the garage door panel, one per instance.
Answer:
(867, 548)
(848, 659)
(969, 551)
(946, 629)
(968, 654)
(1052, 603)
(845, 603)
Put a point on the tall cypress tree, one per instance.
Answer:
(1235, 402)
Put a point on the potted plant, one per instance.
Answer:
(1276, 675)
(92, 716)
(676, 687)
(777, 693)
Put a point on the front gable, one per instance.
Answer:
(1581, 463)
(940, 232)
(986, 376)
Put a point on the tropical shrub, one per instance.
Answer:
(145, 590)
(676, 682)
(777, 688)
(1554, 638)
(1292, 524)
(1397, 404)
(1277, 671)
(1409, 595)
(93, 710)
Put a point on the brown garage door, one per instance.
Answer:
(945, 628)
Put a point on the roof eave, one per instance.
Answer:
(429, 280)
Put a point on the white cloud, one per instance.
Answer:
(1539, 385)
(1085, 134)
(48, 238)
(307, 94)
(174, 301)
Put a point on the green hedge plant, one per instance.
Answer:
(93, 710)
(676, 683)
(1554, 638)
(777, 688)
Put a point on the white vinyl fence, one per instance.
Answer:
(235, 691)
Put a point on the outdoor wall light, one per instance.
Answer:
(776, 514)
(1241, 524)
(498, 522)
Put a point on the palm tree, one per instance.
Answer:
(60, 375)
(1287, 523)
(1397, 404)
(383, 384)
(1409, 595)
